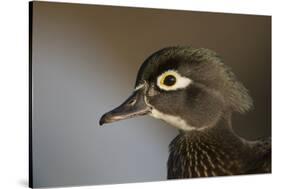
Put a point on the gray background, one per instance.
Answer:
(85, 60)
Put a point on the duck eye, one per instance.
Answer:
(169, 80)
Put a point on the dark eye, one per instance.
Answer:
(169, 80)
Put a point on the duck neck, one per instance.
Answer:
(221, 129)
(209, 152)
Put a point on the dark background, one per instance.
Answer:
(84, 62)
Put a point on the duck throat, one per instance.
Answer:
(211, 152)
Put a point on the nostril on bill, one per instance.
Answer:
(132, 102)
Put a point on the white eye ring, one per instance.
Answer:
(181, 81)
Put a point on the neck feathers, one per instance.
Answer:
(214, 151)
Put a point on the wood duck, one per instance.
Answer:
(195, 92)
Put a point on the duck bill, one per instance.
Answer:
(134, 106)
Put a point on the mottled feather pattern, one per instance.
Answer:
(262, 149)
(209, 153)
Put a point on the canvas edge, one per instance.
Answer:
(30, 149)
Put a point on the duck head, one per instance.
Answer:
(189, 88)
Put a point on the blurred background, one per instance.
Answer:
(84, 62)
